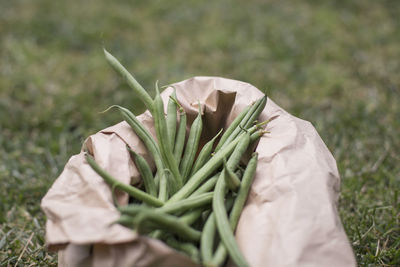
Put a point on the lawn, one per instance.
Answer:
(333, 63)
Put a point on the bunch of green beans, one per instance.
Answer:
(192, 203)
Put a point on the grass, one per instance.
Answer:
(332, 63)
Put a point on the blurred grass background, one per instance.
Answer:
(334, 63)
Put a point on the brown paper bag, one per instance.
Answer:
(290, 218)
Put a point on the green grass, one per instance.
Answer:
(334, 63)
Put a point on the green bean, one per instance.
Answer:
(166, 222)
(219, 193)
(131, 209)
(239, 150)
(235, 123)
(192, 202)
(163, 139)
(248, 177)
(131, 221)
(228, 175)
(145, 136)
(210, 184)
(145, 172)
(219, 256)
(171, 185)
(191, 147)
(191, 216)
(207, 239)
(223, 225)
(156, 234)
(232, 181)
(208, 234)
(188, 248)
(208, 168)
(180, 136)
(152, 146)
(253, 117)
(239, 172)
(157, 182)
(247, 180)
(132, 191)
(138, 128)
(248, 119)
(137, 88)
(255, 136)
(207, 186)
(189, 203)
(126, 220)
(163, 188)
(205, 154)
(171, 119)
(129, 213)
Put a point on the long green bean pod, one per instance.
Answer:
(189, 203)
(250, 117)
(191, 146)
(132, 191)
(247, 180)
(131, 221)
(205, 154)
(208, 168)
(131, 209)
(210, 183)
(163, 138)
(255, 136)
(145, 172)
(207, 186)
(172, 186)
(146, 138)
(157, 181)
(126, 220)
(152, 146)
(163, 188)
(191, 216)
(253, 117)
(130, 80)
(138, 128)
(207, 239)
(232, 181)
(223, 225)
(166, 222)
(235, 123)
(219, 193)
(180, 136)
(238, 152)
(171, 118)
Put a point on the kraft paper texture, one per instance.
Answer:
(290, 217)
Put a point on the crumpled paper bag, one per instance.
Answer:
(290, 218)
